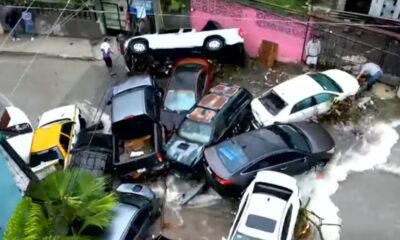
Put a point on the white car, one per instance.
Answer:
(185, 38)
(17, 129)
(268, 209)
(303, 97)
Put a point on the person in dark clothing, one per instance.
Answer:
(12, 20)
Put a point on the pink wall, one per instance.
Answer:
(258, 25)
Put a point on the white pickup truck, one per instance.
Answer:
(210, 39)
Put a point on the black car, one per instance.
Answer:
(137, 132)
(289, 148)
(222, 113)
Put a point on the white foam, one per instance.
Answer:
(368, 152)
(390, 168)
(92, 115)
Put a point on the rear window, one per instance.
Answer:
(232, 156)
(274, 190)
(134, 127)
(326, 82)
(261, 223)
(273, 102)
(45, 156)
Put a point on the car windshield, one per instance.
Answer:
(231, 155)
(45, 156)
(241, 236)
(326, 82)
(179, 100)
(195, 131)
(16, 130)
(273, 102)
(133, 199)
(292, 137)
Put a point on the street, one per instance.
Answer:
(359, 188)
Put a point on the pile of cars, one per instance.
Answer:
(243, 146)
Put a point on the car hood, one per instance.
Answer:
(172, 120)
(320, 140)
(347, 82)
(261, 114)
(183, 152)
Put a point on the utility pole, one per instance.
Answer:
(309, 3)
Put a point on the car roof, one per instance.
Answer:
(58, 114)
(262, 207)
(259, 142)
(124, 215)
(122, 105)
(133, 82)
(292, 90)
(213, 102)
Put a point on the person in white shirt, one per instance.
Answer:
(373, 73)
(313, 49)
(106, 51)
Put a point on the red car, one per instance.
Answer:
(190, 79)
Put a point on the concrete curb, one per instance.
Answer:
(62, 56)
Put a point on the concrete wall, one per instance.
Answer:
(258, 25)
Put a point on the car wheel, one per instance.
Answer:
(214, 44)
(139, 47)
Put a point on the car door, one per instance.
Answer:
(200, 85)
(140, 225)
(294, 163)
(303, 110)
(324, 102)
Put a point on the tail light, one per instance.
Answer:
(241, 32)
(223, 181)
(159, 157)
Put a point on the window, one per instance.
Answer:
(324, 97)
(273, 102)
(179, 100)
(326, 82)
(306, 103)
(195, 131)
(185, 30)
(137, 224)
(286, 223)
(232, 156)
(265, 163)
(167, 31)
(274, 190)
(64, 141)
(45, 156)
(67, 128)
(292, 137)
(261, 223)
(201, 82)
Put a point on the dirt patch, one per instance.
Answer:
(257, 78)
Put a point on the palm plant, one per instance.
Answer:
(65, 203)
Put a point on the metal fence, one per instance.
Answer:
(348, 47)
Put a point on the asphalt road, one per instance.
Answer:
(367, 202)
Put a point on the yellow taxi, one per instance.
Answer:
(54, 138)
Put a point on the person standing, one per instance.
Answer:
(373, 73)
(12, 19)
(28, 23)
(313, 49)
(106, 51)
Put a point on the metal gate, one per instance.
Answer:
(112, 16)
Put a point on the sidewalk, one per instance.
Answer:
(69, 48)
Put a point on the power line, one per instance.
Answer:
(37, 52)
(274, 20)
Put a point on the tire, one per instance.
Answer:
(214, 44)
(139, 47)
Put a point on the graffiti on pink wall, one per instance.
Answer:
(258, 25)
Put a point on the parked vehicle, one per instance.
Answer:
(303, 97)
(138, 207)
(190, 80)
(289, 148)
(222, 113)
(212, 41)
(55, 137)
(17, 129)
(93, 152)
(268, 209)
(138, 135)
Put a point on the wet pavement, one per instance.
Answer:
(357, 189)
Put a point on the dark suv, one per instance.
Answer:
(224, 112)
(137, 132)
